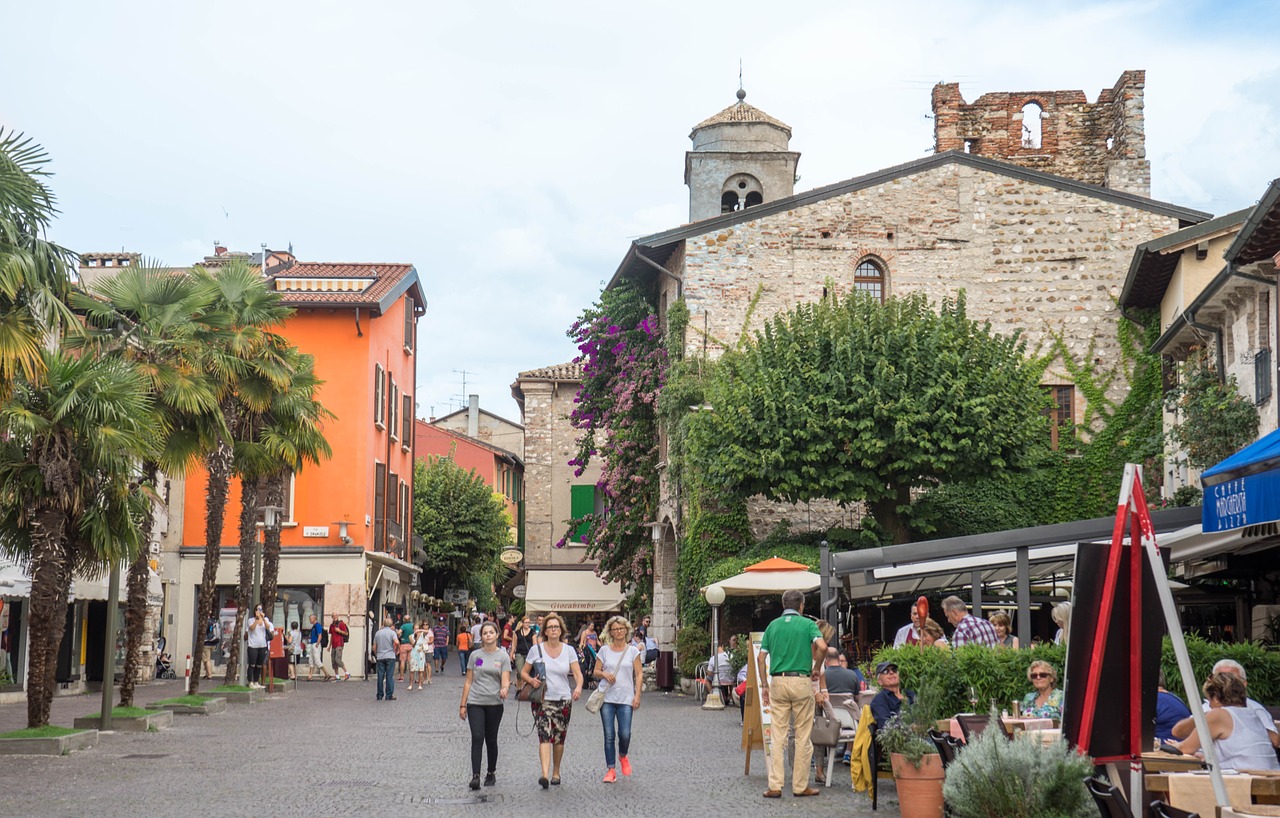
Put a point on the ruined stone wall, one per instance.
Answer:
(1030, 257)
(1101, 143)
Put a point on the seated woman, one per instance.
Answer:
(1241, 742)
(931, 635)
(1046, 701)
(1004, 625)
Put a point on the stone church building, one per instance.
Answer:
(1033, 203)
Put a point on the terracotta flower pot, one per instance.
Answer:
(919, 790)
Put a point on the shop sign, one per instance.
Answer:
(518, 592)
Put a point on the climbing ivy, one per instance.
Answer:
(1214, 419)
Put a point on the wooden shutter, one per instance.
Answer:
(408, 323)
(393, 411)
(582, 501)
(378, 397)
(379, 507)
(406, 419)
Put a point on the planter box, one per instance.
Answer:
(241, 696)
(210, 707)
(56, 746)
(134, 724)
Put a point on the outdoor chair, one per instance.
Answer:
(1110, 801)
(879, 766)
(841, 705)
(971, 725)
(1160, 809)
(701, 675)
(946, 744)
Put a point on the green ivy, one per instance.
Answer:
(693, 647)
(1214, 419)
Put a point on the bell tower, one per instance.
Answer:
(741, 157)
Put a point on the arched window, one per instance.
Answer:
(728, 201)
(868, 277)
(754, 198)
(1031, 114)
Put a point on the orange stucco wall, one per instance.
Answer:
(436, 441)
(343, 486)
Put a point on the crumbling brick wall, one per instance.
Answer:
(1101, 143)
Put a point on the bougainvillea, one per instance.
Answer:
(624, 363)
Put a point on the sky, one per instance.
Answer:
(512, 151)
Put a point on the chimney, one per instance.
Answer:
(473, 415)
(219, 250)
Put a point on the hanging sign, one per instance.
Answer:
(519, 591)
(511, 556)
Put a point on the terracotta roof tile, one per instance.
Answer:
(369, 282)
(742, 112)
(571, 371)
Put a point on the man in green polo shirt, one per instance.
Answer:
(789, 653)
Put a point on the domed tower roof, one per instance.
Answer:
(740, 113)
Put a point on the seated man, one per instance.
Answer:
(1169, 711)
(888, 702)
(840, 679)
(1240, 742)
(1234, 668)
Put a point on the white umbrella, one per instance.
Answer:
(773, 576)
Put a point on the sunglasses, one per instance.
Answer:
(1041, 675)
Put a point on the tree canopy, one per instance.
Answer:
(854, 400)
(463, 526)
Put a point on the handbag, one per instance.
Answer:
(529, 693)
(826, 729)
(596, 700)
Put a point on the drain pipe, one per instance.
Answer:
(655, 265)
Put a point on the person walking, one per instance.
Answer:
(483, 693)
(525, 638)
(619, 667)
(561, 674)
(418, 655)
(297, 649)
(440, 638)
(386, 645)
(212, 638)
(464, 649)
(338, 636)
(257, 635)
(406, 644)
(791, 644)
(314, 660)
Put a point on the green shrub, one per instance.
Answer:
(1262, 665)
(742, 653)
(992, 777)
(693, 646)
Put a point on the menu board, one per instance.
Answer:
(756, 732)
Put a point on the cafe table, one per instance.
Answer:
(1010, 724)
(1264, 786)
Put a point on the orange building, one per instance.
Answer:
(347, 531)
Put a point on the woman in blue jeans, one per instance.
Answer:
(618, 667)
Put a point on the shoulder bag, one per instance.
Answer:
(596, 700)
(826, 728)
(529, 693)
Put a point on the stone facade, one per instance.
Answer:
(550, 442)
(1102, 143)
(741, 157)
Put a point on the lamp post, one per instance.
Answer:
(715, 598)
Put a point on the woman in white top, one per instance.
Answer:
(563, 686)
(620, 673)
(1241, 742)
(257, 636)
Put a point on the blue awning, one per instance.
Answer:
(1244, 489)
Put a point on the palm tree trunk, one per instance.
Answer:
(248, 538)
(50, 588)
(218, 466)
(135, 614)
(276, 485)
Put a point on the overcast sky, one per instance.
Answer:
(511, 151)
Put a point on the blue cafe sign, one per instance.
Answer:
(1244, 489)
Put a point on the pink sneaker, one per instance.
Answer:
(610, 776)
(626, 765)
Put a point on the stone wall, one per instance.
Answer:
(1030, 257)
(1102, 143)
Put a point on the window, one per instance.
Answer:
(379, 406)
(754, 198)
(1061, 413)
(286, 516)
(393, 411)
(410, 319)
(582, 502)
(406, 422)
(1262, 375)
(393, 508)
(406, 509)
(379, 506)
(868, 277)
(728, 201)
(1031, 131)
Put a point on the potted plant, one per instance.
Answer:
(992, 777)
(917, 767)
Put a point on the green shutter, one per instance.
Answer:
(582, 501)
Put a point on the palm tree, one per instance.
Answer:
(244, 309)
(152, 315)
(68, 462)
(34, 272)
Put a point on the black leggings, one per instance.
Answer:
(257, 657)
(484, 720)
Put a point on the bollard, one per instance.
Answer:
(186, 679)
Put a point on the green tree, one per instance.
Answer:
(1214, 419)
(463, 526)
(149, 315)
(68, 499)
(854, 400)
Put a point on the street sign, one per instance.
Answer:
(456, 596)
(518, 592)
(511, 556)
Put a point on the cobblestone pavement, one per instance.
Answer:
(332, 749)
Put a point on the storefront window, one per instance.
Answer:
(293, 604)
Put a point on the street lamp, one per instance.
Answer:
(715, 598)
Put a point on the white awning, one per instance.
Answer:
(13, 580)
(562, 591)
(100, 588)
